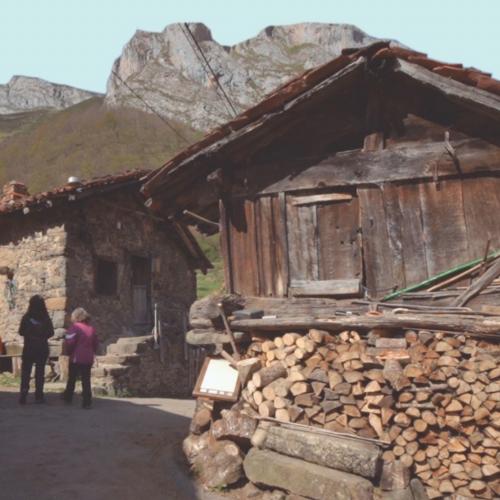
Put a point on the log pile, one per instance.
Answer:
(430, 401)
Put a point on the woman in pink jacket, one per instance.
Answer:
(81, 346)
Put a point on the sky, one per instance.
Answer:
(75, 42)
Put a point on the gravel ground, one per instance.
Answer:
(127, 449)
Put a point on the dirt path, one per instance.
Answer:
(127, 449)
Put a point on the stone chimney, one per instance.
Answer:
(13, 191)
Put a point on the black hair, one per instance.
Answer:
(37, 309)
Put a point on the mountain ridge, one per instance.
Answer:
(28, 93)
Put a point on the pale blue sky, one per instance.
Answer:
(75, 42)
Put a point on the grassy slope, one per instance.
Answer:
(43, 148)
(213, 281)
(84, 140)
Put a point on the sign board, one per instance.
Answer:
(217, 380)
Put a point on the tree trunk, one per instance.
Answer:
(338, 453)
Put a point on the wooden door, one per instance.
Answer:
(324, 245)
(141, 290)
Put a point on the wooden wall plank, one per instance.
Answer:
(225, 247)
(281, 278)
(302, 241)
(444, 226)
(265, 246)
(243, 247)
(377, 253)
(339, 241)
(304, 288)
(394, 220)
(482, 209)
(412, 237)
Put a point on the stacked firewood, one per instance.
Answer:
(433, 399)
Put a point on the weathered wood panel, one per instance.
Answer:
(302, 240)
(265, 246)
(482, 209)
(339, 241)
(325, 288)
(271, 247)
(353, 168)
(243, 247)
(444, 227)
(377, 253)
(281, 245)
(225, 246)
(412, 236)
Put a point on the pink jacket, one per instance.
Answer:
(81, 343)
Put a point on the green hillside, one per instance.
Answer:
(43, 148)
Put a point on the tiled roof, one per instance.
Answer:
(70, 192)
(378, 51)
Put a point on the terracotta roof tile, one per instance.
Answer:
(46, 198)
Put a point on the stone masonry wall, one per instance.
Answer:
(34, 247)
(115, 229)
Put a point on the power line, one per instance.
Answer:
(164, 120)
(205, 64)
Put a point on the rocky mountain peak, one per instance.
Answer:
(25, 93)
(164, 69)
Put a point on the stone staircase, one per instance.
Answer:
(110, 374)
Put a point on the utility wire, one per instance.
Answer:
(205, 64)
(138, 96)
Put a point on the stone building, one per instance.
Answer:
(94, 244)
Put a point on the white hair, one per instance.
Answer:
(79, 315)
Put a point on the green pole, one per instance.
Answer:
(438, 277)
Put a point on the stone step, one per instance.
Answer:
(123, 349)
(116, 359)
(111, 370)
(134, 340)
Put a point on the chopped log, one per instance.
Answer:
(258, 397)
(302, 478)
(235, 426)
(268, 345)
(338, 453)
(308, 399)
(289, 339)
(282, 415)
(219, 464)
(299, 388)
(202, 417)
(280, 402)
(318, 336)
(247, 367)
(278, 387)
(267, 375)
(395, 476)
(266, 409)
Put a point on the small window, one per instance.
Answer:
(106, 277)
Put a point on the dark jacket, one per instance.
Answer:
(36, 335)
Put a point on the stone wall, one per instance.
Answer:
(134, 367)
(117, 229)
(53, 253)
(34, 247)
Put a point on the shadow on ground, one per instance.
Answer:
(125, 449)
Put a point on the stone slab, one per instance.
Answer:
(269, 468)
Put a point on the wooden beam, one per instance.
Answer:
(336, 288)
(471, 97)
(320, 198)
(450, 323)
(389, 165)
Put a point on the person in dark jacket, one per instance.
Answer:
(36, 328)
